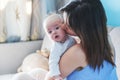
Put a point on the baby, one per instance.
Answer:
(62, 41)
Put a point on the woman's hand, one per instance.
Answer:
(58, 77)
(50, 78)
(55, 78)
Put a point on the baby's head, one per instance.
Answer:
(53, 27)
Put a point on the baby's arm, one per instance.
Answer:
(54, 59)
(57, 51)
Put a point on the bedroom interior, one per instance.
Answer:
(21, 31)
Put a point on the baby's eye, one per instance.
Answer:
(57, 28)
(49, 32)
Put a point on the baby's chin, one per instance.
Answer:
(58, 40)
(61, 41)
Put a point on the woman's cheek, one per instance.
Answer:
(70, 32)
(64, 27)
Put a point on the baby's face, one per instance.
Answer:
(55, 31)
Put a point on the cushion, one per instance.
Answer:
(22, 76)
(33, 61)
(47, 43)
(38, 73)
(35, 74)
(115, 33)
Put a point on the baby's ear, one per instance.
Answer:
(44, 52)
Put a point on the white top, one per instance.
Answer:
(57, 51)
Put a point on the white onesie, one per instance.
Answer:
(57, 51)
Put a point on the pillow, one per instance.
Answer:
(38, 74)
(109, 28)
(115, 33)
(33, 61)
(47, 43)
(35, 74)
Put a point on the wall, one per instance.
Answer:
(112, 9)
(12, 54)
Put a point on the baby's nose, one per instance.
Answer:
(54, 32)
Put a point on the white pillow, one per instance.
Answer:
(47, 43)
(115, 33)
(33, 61)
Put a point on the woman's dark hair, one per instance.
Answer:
(88, 19)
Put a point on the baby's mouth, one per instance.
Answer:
(56, 36)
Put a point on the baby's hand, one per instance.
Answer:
(58, 77)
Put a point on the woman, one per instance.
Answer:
(87, 20)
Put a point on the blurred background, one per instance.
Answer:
(21, 20)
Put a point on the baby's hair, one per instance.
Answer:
(55, 14)
(49, 16)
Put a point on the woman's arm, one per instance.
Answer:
(71, 60)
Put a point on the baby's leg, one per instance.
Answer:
(22, 76)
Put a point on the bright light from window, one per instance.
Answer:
(28, 7)
(3, 3)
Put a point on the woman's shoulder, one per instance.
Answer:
(74, 57)
(76, 49)
(77, 54)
